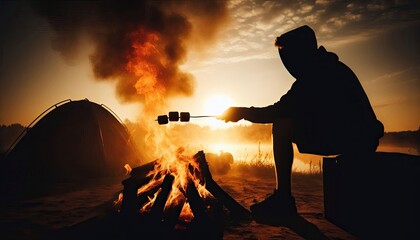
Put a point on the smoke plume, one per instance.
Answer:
(139, 44)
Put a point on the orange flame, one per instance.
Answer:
(147, 64)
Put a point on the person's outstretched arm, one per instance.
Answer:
(252, 114)
(262, 114)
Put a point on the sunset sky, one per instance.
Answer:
(378, 40)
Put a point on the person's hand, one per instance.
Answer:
(232, 114)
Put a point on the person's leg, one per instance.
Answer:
(280, 203)
(283, 154)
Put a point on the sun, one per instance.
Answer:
(216, 105)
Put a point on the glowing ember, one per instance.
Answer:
(128, 169)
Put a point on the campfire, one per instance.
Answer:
(175, 194)
(180, 199)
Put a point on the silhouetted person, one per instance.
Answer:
(325, 112)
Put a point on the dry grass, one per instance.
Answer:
(261, 164)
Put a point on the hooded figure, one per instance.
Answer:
(331, 111)
(325, 112)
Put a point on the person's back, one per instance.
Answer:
(332, 111)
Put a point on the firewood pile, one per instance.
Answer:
(210, 214)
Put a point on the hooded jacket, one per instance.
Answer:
(331, 112)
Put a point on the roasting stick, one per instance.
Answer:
(205, 116)
(176, 116)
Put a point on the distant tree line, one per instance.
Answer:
(409, 139)
(194, 133)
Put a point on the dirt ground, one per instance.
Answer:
(308, 192)
(37, 218)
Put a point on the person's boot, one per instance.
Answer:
(275, 208)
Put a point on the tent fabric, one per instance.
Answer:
(75, 142)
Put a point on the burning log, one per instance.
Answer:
(144, 197)
(202, 225)
(130, 203)
(236, 209)
(207, 214)
(197, 204)
(156, 213)
(171, 216)
(140, 173)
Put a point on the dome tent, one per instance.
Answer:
(76, 142)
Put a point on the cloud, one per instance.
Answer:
(335, 22)
(409, 75)
(390, 102)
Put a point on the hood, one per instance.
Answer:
(324, 57)
(297, 49)
(300, 38)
